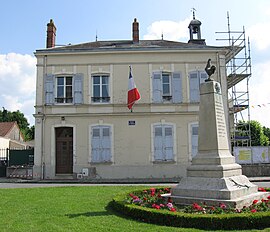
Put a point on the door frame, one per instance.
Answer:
(53, 147)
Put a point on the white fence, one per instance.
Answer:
(252, 155)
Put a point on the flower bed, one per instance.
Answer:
(148, 205)
(152, 198)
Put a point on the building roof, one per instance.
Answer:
(129, 45)
(6, 127)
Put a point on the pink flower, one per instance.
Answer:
(161, 205)
(222, 206)
(169, 205)
(253, 211)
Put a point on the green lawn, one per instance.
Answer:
(67, 209)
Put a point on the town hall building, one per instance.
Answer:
(83, 127)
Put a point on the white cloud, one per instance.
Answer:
(18, 78)
(260, 94)
(171, 30)
(259, 35)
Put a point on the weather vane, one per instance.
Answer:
(193, 11)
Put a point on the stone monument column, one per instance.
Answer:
(214, 177)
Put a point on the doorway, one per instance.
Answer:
(64, 150)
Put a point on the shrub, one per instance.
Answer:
(145, 210)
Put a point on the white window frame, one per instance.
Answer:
(64, 86)
(166, 97)
(173, 138)
(101, 97)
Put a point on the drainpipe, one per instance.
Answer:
(43, 125)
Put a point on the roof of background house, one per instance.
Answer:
(129, 45)
(5, 127)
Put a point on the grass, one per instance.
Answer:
(68, 209)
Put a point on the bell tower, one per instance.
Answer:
(195, 31)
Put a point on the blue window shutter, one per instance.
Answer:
(78, 89)
(194, 140)
(106, 144)
(203, 77)
(49, 89)
(194, 87)
(95, 144)
(168, 144)
(177, 87)
(157, 87)
(158, 143)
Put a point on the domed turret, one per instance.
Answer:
(195, 31)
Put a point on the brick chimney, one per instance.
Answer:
(135, 34)
(51, 33)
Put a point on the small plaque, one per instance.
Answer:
(132, 123)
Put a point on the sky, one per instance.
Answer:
(23, 30)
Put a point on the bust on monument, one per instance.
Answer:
(210, 70)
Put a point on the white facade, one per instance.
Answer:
(81, 109)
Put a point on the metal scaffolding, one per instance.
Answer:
(238, 68)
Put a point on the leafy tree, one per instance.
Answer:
(266, 131)
(17, 116)
(258, 136)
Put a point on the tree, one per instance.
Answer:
(258, 136)
(17, 116)
(266, 131)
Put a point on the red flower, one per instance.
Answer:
(167, 190)
(172, 209)
(261, 189)
(169, 200)
(268, 197)
(253, 211)
(155, 206)
(255, 202)
(196, 206)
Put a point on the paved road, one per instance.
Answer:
(44, 185)
(265, 184)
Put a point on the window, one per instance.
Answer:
(101, 144)
(163, 143)
(167, 87)
(195, 79)
(194, 139)
(100, 88)
(63, 89)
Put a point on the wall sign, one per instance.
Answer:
(131, 122)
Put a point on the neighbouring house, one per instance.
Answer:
(11, 132)
(83, 128)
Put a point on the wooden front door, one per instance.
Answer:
(64, 150)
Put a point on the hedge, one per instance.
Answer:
(233, 221)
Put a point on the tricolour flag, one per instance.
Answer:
(133, 93)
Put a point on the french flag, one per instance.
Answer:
(133, 93)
